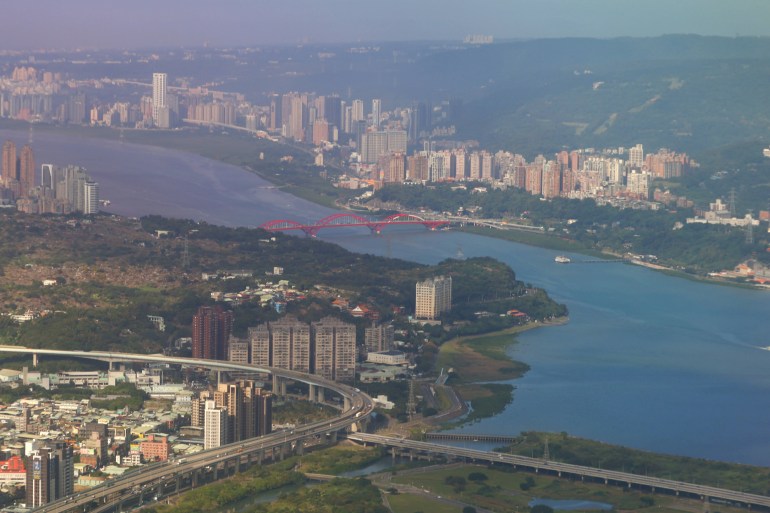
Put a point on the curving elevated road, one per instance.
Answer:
(161, 478)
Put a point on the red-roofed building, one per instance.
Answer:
(13, 472)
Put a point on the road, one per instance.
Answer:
(654, 483)
(162, 475)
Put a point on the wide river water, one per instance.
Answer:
(647, 360)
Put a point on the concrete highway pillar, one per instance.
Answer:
(34, 359)
(321, 394)
(299, 446)
(347, 404)
(283, 388)
(311, 393)
(275, 385)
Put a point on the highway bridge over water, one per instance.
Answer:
(162, 479)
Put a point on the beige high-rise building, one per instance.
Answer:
(238, 350)
(289, 342)
(636, 156)
(335, 349)
(215, 426)
(378, 338)
(159, 90)
(433, 297)
(8, 169)
(259, 338)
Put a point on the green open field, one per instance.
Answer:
(409, 503)
(507, 491)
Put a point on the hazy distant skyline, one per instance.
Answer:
(37, 24)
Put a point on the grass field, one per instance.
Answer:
(502, 491)
(408, 503)
(482, 358)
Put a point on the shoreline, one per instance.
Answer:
(485, 388)
(492, 233)
(300, 192)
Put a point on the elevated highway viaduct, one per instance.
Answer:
(159, 479)
(567, 470)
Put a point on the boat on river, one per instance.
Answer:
(561, 259)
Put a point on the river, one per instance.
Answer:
(647, 360)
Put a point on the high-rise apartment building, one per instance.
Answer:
(47, 176)
(358, 110)
(328, 349)
(376, 113)
(214, 425)
(335, 349)
(26, 170)
(378, 338)
(238, 350)
(275, 120)
(9, 165)
(159, 90)
(233, 412)
(284, 343)
(433, 297)
(211, 330)
(636, 156)
(50, 474)
(90, 197)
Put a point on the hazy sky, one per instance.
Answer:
(30, 24)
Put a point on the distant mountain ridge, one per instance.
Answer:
(685, 92)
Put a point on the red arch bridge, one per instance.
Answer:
(351, 220)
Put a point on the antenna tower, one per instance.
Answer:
(411, 406)
(731, 202)
(749, 230)
(186, 254)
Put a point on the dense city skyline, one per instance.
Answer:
(91, 24)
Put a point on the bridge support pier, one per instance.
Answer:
(311, 393)
(321, 391)
(346, 404)
(34, 359)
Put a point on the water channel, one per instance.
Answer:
(647, 360)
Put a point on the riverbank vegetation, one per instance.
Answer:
(579, 451)
(94, 298)
(483, 358)
(339, 459)
(337, 496)
(217, 495)
(584, 226)
(261, 479)
(500, 488)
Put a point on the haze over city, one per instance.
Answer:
(525, 241)
(146, 23)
